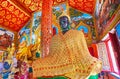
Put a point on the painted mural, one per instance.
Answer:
(58, 10)
(105, 13)
(77, 16)
(24, 34)
(6, 38)
(84, 29)
(36, 35)
(29, 38)
(84, 22)
(36, 26)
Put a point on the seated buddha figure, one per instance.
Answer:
(68, 56)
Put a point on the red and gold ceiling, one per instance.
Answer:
(82, 5)
(14, 14)
(87, 6)
(31, 5)
(11, 16)
(36, 5)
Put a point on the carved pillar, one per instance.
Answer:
(46, 26)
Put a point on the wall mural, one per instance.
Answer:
(6, 38)
(84, 29)
(29, 37)
(36, 34)
(58, 10)
(78, 17)
(105, 12)
(24, 34)
(36, 22)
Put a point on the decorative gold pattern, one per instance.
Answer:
(10, 16)
(83, 5)
(33, 5)
(36, 5)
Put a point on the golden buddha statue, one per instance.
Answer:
(23, 51)
(69, 56)
(11, 51)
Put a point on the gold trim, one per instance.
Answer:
(23, 5)
(59, 3)
(96, 28)
(31, 25)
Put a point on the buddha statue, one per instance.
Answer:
(68, 56)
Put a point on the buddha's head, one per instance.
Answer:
(64, 23)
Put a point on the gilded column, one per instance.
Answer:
(46, 26)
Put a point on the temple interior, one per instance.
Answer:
(28, 26)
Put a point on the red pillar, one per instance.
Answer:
(46, 26)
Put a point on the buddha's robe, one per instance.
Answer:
(69, 56)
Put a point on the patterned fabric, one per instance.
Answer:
(69, 56)
(103, 56)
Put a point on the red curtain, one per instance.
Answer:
(93, 50)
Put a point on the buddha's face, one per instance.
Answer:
(64, 22)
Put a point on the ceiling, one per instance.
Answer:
(14, 14)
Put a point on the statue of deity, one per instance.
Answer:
(69, 55)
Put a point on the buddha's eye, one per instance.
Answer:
(63, 21)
